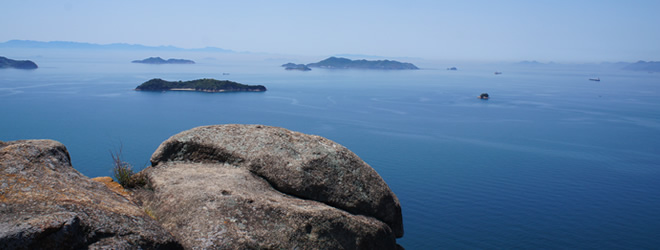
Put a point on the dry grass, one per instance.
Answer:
(122, 171)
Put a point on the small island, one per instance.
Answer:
(158, 60)
(202, 85)
(16, 64)
(293, 66)
(344, 63)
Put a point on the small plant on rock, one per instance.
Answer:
(123, 171)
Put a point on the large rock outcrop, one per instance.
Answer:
(253, 186)
(46, 204)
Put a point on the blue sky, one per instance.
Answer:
(562, 31)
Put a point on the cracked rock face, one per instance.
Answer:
(46, 204)
(253, 186)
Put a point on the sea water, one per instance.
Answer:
(552, 160)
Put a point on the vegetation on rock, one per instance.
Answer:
(122, 171)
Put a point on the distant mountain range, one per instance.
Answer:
(158, 60)
(644, 66)
(114, 46)
(534, 63)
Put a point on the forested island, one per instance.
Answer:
(16, 64)
(158, 60)
(344, 63)
(202, 85)
(293, 66)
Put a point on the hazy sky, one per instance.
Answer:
(558, 30)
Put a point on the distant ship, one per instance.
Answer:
(498, 73)
(452, 68)
(594, 79)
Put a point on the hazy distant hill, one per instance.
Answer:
(158, 60)
(114, 46)
(529, 63)
(535, 63)
(344, 63)
(644, 66)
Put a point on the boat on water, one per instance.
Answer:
(597, 79)
(484, 96)
(498, 73)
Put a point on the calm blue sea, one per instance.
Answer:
(552, 161)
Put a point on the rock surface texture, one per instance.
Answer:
(253, 186)
(46, 204)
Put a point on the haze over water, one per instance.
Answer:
(511, 30)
